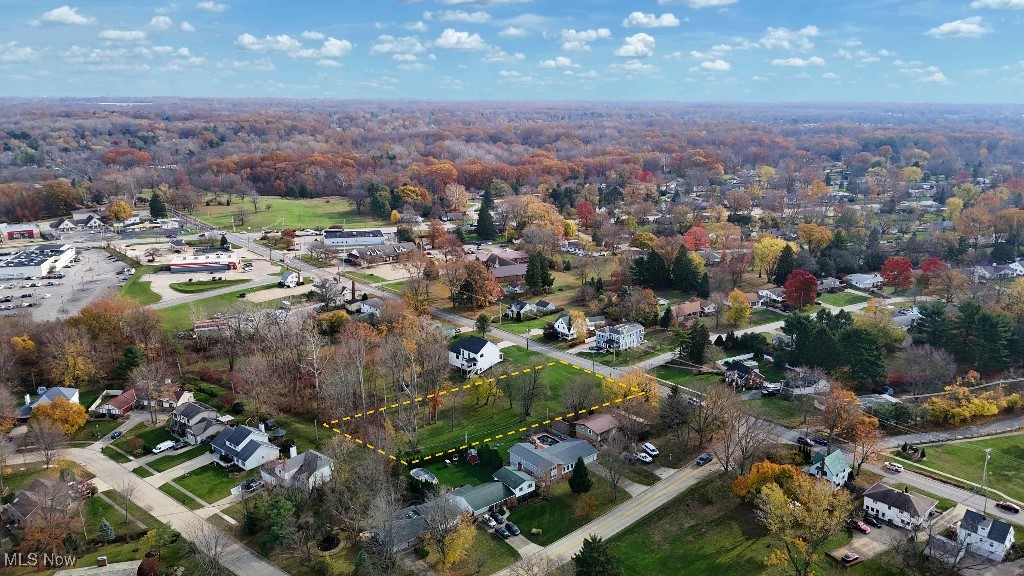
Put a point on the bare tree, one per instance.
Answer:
(126, 487)
(151, 382)
(209, 546)
(540, 565)
(329, 292)
(254, 197)
(710, 413)
(612, 456)
(316, 358)
(923, 368)
(382, 517)
(441, 516)
(580, 393)
(46, 436)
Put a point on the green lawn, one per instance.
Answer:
(788, 413)
(181, 497)
(303, 432)
(142, 471)
(656, 341)
(114, 455)
(461, 473)
(841, 299)
(211, 482)
(96, 509)
(641, 475)
(555, 516)
(150, 435)
(133, 509)
(178, 318)
(88, 431)
(943, 505)
(139, 290)
(171, 460)
(205, 286)
(365, 278)
(965, 460)
(684, 377)
(527, 325)
(761, 316)
(770, 372)
(297, 214)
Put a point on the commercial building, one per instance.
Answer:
(37, 261)
(205, 262)
(334, 237)
(18, 231)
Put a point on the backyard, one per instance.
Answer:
(790, 413)
(288, 213)
(840, 299)
(965, 460)
(555, 516)
(211, 482)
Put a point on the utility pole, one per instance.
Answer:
(984, 481)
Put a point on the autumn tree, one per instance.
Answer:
(867, 439)
(767, 250)
(898, 272)
(801, 289)
(119, 210)
(748, 486)
(814, 236)
(974, 223)
(70, 416)
(739, 308)
(840, 411)
(68, 361)
(479, 288)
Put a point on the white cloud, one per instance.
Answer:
(123, 35)
(160, 23)
(211, 6)
(312, 35)
(641, 20)
(579, 40)
(786, 39)
(935, 78)
(14, 52)
(513, 32)
(502, 57)
(967, 28)
(830, 76)
(327, 63)
(417, 26)
(397, 47)
(186, 27)
(700, 3)
(798, 62)
(712, 66)
(332, 47)
(478, 17)
(632, 66)
(452, 39)
(558, 62)
(258, 65)
(637, 46)
(64, 15)
(513, 76)
(714, 52)
(405, 57)
(998, 4)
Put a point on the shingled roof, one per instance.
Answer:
(914, 504)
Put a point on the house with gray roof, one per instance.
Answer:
(51, 394)
(485, 497)
(900, 507)
(307, 470)
(551, 463)
(244, 447)
(620, 337)
(834, 468)
(194, 422)
(988, 537)
(519, 482)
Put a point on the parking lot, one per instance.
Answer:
(83, 283)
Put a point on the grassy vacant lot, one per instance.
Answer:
(211, 482)
(139, 290)
(788, 413)
(87, 433)
(204, 286)
(171, 460)
(965, 459)
(555, 516)
(527, 325)
(298, 214)
(842, 298)
(705, 530)
(178, 318)
(687, 378)
(150, 435)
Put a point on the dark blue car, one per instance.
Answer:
(116, 434)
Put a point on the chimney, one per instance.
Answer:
(292, 452)
(262, 427)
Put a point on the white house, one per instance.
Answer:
(169, 223)
(307, 470)
(985, 536)
(244, 447)
(902, 508)
(833, 468)
(520, 310)
(774, 295)
(519, 482)
(373, 307)
(474, 355)
(865, 281)
(51, 394)
(620, 337)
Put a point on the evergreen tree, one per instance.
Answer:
(580, 481)
(538, 275)
(786, 265)
(157, 206)
(863, 356)
(996, 331)
(106, 531)
(699, 341)
(704, 288)
(595, 559)
(131, 358)
(683, 343)
(656, 271)
(666, 318)
(684, 273)
(380, 204)
(485, 229)
(224, 241)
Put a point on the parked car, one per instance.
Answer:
(497, 517)
(46, 295)
(512, 529)
(163, 446)
(850, 557)
(643, 457)
(252, 484)
(821, 441)
(488, 521)
(859, 526)
(116, 434)
(895, 467)
(650, 449)
(704, 459)
(500, 531)
(180, 444)
(1009, 507)
(873, 521)
(804, 441)
(26, 295)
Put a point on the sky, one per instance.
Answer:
(621, 50)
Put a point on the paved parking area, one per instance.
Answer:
(85, 282)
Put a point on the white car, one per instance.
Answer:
(489, 521)
(895, 467)
(643, 457)
(650, 449)
(46, 295)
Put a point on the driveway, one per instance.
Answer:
(869, 545)
(523, 546)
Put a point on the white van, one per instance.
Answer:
(895, 467)
(163, 446)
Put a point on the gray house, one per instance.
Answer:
(551, 463)
(194, 422)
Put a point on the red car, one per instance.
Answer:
(859, 526)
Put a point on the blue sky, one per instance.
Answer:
(706, 50)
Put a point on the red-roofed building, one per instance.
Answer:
(119, 405)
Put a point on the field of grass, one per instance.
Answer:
(150, 435)
(705, 530)
(142, 471)
(687, 378)
(181, 497)
(364, 277)
(211, 482)
(139, 290)
(461, 473)
(171, 460)
(296, 213)
(789, 413)
(843, 298)
(87, 433)
(527, 325)
(303, 433)
(178, 318)
(770, 372)
(965, 459)
(761, 316)
(204, 286)
(641, 475)
(555, 516)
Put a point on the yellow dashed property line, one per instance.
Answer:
(551, 363)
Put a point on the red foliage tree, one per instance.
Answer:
(897, 272)
(696, 239)
(584, 213)
(933, 265)
(801, 289)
